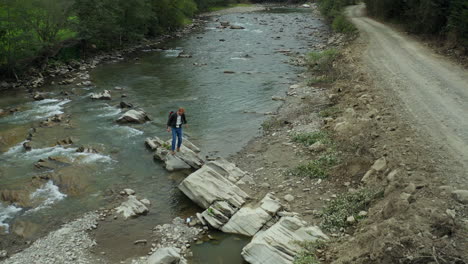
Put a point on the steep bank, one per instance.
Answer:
(419, 215)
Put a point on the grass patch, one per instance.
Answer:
(310, 138)
(322, 61)
(307, 254)
(166, 146)
(316, 169)
(222, 7)
(329, 112)
(319, 80)
(271, 124)
(349, 204)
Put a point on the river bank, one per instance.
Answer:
(91, 124)
(355, 163)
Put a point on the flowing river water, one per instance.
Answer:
(224, 112)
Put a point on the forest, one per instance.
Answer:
(447, 19)
(32, 31)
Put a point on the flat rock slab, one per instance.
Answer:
(207, 185)
(185, 159)
(249, 220)
(278, 244)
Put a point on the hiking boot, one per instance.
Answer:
(178, 149)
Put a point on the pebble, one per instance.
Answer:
(288, 197)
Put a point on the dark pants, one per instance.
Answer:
(176, 135)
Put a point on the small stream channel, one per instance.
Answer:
(158, 82)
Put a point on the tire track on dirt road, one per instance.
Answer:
(431, 90)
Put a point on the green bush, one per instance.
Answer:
(316, 169)
(307, 254)
(349, 204)
(436, 17)
(310, 138)
(322, 61)
(341, 24)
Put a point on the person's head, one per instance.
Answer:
(181, 111)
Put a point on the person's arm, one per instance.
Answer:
(184, 120)
(169, 121)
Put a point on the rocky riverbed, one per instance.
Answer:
(85, 177)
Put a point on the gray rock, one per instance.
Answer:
(132, 207)
(218, 214)
(185, 159)
(288, 197)
(38, 96)
(167, 255)
(279, 243)
(125, 105)
(249, 219)
(129, 191)
(101, 96)
(208, 185)
(3, 254)
(133, 116)
(317, 147)
(461, 196)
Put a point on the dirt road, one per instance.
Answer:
(432, 92)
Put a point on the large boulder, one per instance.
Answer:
(248, 220)
(279, 243)
(132, 207)
(101, 96)
(133, 116)
(207, 185)
(167, 255)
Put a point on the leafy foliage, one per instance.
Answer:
(348, 204)
(332, 10)
(322, 61)
(35, 29)
(307, 254)
(316, 169)
(310, 138)
(440, 17)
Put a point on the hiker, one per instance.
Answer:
(174, 123)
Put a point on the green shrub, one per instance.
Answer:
(307, 254)
(349, 204)
(341, 24)
(322, 61)
(310, 138)
(316, 169)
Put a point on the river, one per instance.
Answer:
(224, 112)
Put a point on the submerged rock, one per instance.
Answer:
(125, 105)
(38, 96)
(101, 96)
(279, 243)
(133, 116)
